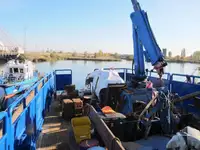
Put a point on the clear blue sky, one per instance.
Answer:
(99, 24)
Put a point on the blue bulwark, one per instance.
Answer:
(183, 88)
(22, 122)
(63, 77)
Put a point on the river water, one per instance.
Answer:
(82, 68)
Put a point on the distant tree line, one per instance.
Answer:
(196, 56)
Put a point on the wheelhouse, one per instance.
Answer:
(17, 71)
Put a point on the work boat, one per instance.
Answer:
(53, 114)
(17, 76)
(118, 109)
(15, 71)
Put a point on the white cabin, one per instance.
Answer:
(19, 70)
(19, 50)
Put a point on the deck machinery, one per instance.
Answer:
(155, 102)
(144, 44)
(21, 130)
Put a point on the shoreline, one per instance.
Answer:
(75, 58)
(48, 57)
(93, 59)
(56, 56)
(107, 59)
(183, 61)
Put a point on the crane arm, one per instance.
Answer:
(136, 5)
(144, 43)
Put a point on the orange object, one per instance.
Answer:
(10, 96)
(107, 110)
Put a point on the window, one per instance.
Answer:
(21, 70)
(11, 71)
(15, 70)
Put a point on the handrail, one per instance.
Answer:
(4, 130)
(21, 100)
(10, 128)
(169, 76)
(63, 70)
(3, 114)
(184, 75)
(21, 97)
(115, 68)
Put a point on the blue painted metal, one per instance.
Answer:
(183, 88)
(18, 87)
(144, 42)
(21, 132)
(63, 77)
(138, 54)
(4, 141)
(136, 5)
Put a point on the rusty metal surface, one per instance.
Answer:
(56, 133)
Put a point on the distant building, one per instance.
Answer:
(3, 47)
(19, 50)
(165, 52)
(169, 54)
(183, 53)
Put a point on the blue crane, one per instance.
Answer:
(144, 44)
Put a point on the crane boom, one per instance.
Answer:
(136, 5)
(144, 43)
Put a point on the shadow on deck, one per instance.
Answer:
(56, 131)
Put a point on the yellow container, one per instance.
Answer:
(81, 128)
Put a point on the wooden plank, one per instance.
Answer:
(17, 112)
(106, 135)
(30, 97)
(55, 134)
(40, 86)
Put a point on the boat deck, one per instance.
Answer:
(152, 143)
(57, 135)
(56, 131)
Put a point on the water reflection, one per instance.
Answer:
(52, 63)
(74, 62)
(182, 67)
(97, 62)
(82, 68)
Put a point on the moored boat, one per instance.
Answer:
(115, 131)
(128, 109)
(17, 77)
(15, 71)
